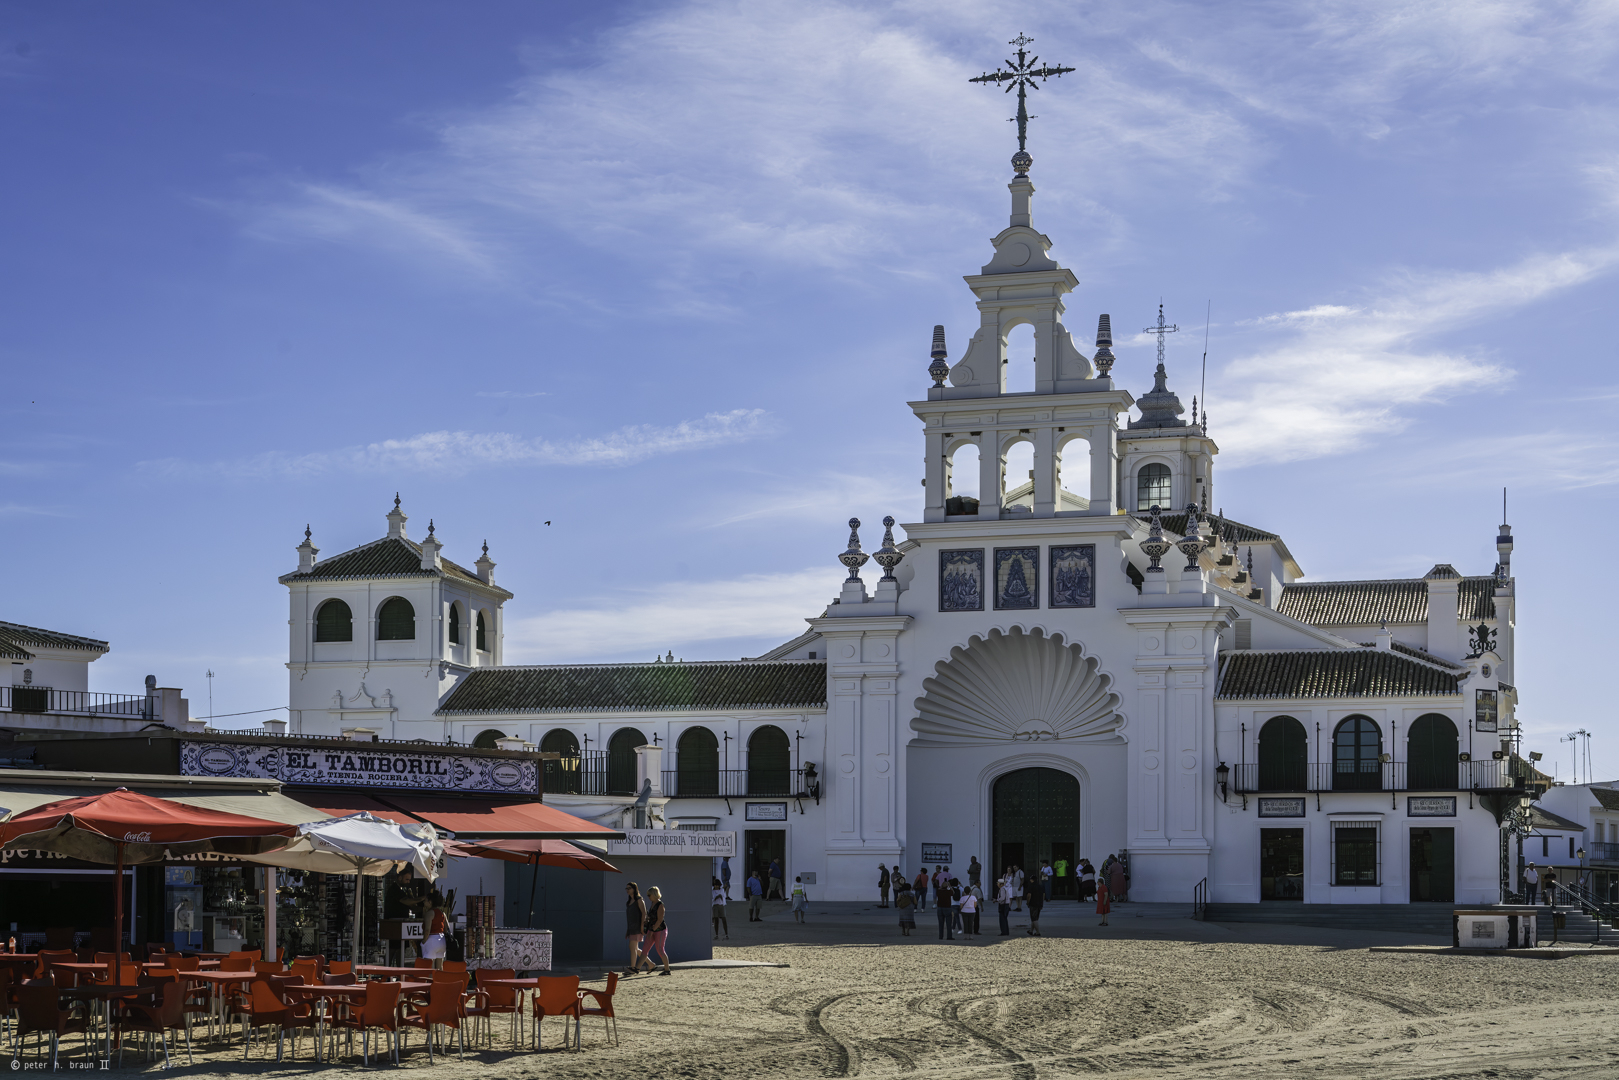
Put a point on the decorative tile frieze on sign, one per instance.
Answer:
(361, 765)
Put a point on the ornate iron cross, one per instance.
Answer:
(1022, 75)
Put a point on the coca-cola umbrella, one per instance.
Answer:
(126, 828)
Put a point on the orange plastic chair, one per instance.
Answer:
(268, 967)
(340, 967)
(166, 1015)
(39, 1012)
(421, 963)
(603, 1007)
(309, 971)
(236, 963)
(263, 1008)
(379, 1012)
(183, 963)
(558, 995)
(489, 1000)
(443, 1009)
(454, 965)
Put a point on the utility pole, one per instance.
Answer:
(210, 693)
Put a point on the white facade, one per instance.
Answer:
(1102, 686)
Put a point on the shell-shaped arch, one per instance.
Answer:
(1017, 685)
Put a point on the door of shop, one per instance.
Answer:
(1433, 866)
(763, 846)
(1281, 864)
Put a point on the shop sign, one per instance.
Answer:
(937, 853)
(1430, 806)
(361, 765)
(1281, 807)
(31, 859)
(765, 811)
(689, 842)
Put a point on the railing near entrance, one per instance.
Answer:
(1486, 775)
(1200, 899)
(585, 773)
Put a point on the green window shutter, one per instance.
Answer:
(334, 622)
(396, 621)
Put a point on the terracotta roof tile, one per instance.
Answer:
(390, 557)
(732, 684)
(1368, 603)
(20, 636)
(1329, 673)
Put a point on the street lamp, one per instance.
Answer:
(1222, 774)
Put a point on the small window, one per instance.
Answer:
(812, 656)
(1152, 487)
(1545, 847)
(334, 622)
(1244, 634)
(1571, 847)
(483, 637)
(396, 621)
(488, 740)
(455, 624)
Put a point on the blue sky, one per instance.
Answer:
(665, 275)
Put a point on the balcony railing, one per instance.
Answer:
(45, 699)
(732, 783)
(1604, 852)
(1487, 775)
(587, 773)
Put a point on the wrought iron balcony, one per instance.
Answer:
(1603, 852)
(733, 783)
(1298, 776)
(45, 699)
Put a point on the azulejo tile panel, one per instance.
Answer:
(361, 765)
(961, 579)
(1017, 578)
(1073, 575)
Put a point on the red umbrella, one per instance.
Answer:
(537, 853)
(125, 827)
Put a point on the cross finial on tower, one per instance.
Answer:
(1161, 329)
(1022, 75)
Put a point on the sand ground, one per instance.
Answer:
(1153, 995)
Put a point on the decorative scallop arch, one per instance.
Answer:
(1017, 685)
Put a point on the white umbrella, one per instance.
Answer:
(359, 844)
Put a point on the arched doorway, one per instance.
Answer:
(1035, 816)
(770, 762)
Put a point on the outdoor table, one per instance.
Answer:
(219, 980)
(383, 971)
(520, 985)
(104, 993)
(321, 993)
(20, 961)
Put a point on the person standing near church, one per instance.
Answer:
(905, 900)
(777, 888)
(756, 894)
(1118, 882)
(1531, 879)
(1035, 896)
(1017, 888)
(1003, 903)
(920, 888)
(969, 912)
(716, 902)
(975, 872)
(725, 875)
(942, 910)
(1087, 880)
(800, 900)
(1045, 878)
(882, 884)
(1062, 868)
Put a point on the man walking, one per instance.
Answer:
(725, 875)
(946, 914)
(882, 884)
(756, 895)
(1035, 896)
(777, 892)
(1017, 888)
(1003, 902)
(920, 888)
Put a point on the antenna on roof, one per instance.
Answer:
(1203, 388)
(1503, 506)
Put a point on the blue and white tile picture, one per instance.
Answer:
(961, 580)
(1073, 576)
(1017, 578)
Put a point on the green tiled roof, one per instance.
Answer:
(1235, 532)
(390, 557)
(731, 684)
(20, 636)
(1368, 603)
(1331, 673)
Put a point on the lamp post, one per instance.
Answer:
(1222, 774)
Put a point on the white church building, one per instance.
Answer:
(1048, 671)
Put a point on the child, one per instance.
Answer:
(800, 900)
(905, 900)
(1103, 903)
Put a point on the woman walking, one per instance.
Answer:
(634, 924)
(1118, 882)
(437, 942)
(907, 908)
(1017, 888)
(920, 886)
(1087, 880)
(718, 902)
(800, 900)
(657, 931)
(969, 912)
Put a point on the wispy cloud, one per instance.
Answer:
(685, 616)
(348, 215)
(1345, 373)
(464, 451)
(19, 510)
(512, 393)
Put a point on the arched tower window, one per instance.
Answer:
(561, 777)
(1017, 369)
(1432, 749)
(621, 760)
(455, 624)
(961, 480)
(770, 762)
(697, 763)
(489, 740)
(396, 620)
(334, 622)
(483, 637)
(1152, 486)
(1283, 753)
(1357, 746)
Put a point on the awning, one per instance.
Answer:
(22, 790)
(343, 803)
(472, 819)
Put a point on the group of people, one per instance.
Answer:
(645, 928)
(959, 906)
(1540, 881)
